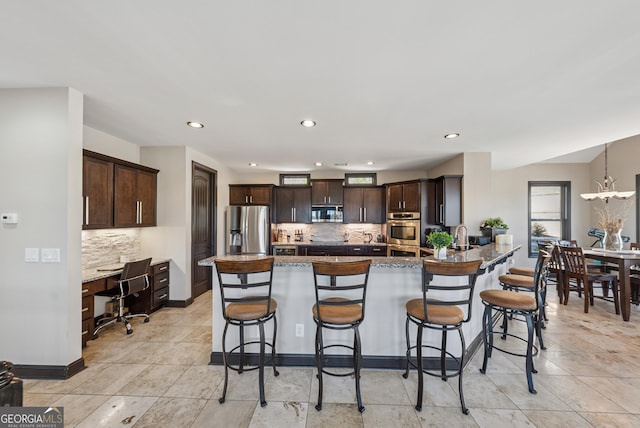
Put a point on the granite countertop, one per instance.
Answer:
(489, 254)
(106, 271)
(328, 243)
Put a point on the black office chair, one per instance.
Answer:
(133, 280)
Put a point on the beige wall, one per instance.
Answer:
(623, 166)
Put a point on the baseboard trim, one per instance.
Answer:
(179, 303)
(368, 361)
(27, 371)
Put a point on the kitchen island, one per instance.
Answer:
(392, 282)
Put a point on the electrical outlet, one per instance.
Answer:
(299, 330)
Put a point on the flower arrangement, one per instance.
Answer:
(611, 218)
(440, 239)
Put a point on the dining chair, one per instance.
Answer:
(576, 272)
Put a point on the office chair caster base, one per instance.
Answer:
(129, 328)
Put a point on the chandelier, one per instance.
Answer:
(606, 189)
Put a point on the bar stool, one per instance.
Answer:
(510, 302)
(517, 283)
(444, 312)
(341, 289)
(245, 290)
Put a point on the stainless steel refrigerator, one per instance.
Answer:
(248, 230)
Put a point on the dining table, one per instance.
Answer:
(624, 259)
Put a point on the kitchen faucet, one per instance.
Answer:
(461, 237)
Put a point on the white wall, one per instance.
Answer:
(274, 177)
(41, 181)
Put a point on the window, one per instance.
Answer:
(549, 213)
(295, 179)
(360, 179)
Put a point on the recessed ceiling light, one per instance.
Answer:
(370, 163)
(450, 136)
(195, 124)
(308, 123)
(253, 164)
(318, 164)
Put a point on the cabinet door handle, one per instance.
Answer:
(85, 309)
(85, 290)
(163, 280)
(164, 268)
(404, 204)
(365, 214)
(85, 332)
(294, 214)
(86, 210)
(163, 296)
(441, 213)
(250, 199)
(399, 205)
(324, 199)
(360, 214)
(329, 199)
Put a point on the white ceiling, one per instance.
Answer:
(385, 80)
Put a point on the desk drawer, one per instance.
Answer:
(160, 280)
(162, 267)
(160, 296)
(87, 330)
(90, 288)
(87, 307)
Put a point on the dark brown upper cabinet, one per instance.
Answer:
(250, 194)
(445, 200)
(404, 197)
(117, 193)
(293, 205)
(327, 192)
(97, 193)
(134, 197)
(364, 205)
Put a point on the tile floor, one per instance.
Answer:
(159, 377)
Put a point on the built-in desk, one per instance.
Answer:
(392, 282)
(104, 278)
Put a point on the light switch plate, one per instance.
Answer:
(31, 255)
(9, 218)
(50, 255)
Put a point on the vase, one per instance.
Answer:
(440, 253)
(612, 240)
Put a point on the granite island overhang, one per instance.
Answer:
(392, 282)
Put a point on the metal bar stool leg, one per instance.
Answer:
(406, 332)
(263, 402)
(226, 364)
(319, 357)
(241, 365)
(273, 345)
(529, 361)
(358, 357)
(443, 355)
(462, 404)
(420, 372)
(487, 335)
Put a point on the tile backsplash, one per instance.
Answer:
(108, 246)
(330, 231)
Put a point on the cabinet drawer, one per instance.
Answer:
(87, 330)
(87, 307)
(162, 267)
(160, 296)
(90, 288)
(160, 280)
(377, 251)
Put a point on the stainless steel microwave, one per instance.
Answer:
(326, 214)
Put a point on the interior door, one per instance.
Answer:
(202, 227)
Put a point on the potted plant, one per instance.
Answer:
(440, 241)
(493, 226)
